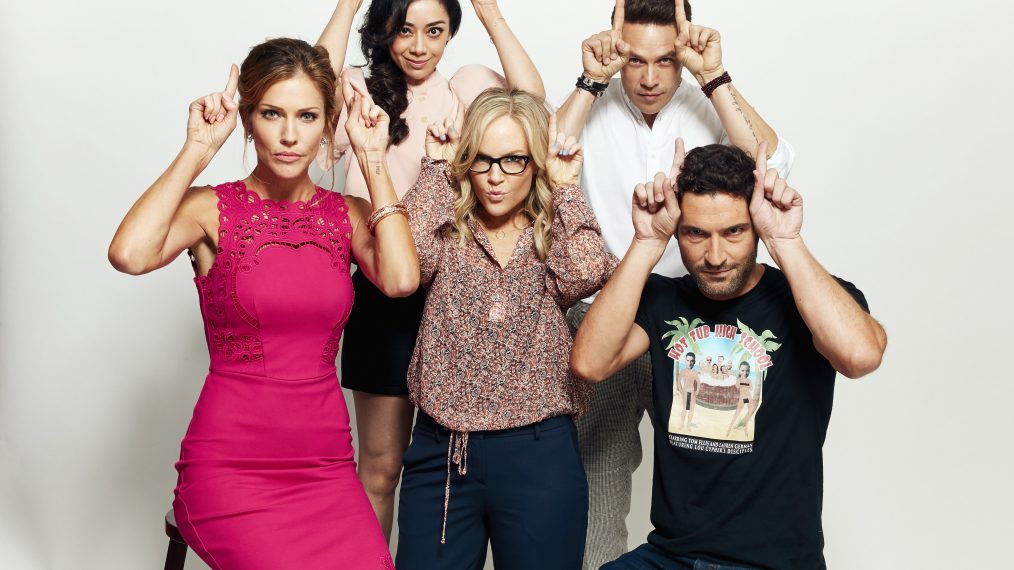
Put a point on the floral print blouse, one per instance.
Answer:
(493, 350)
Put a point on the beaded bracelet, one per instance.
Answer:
(383, 212)
(715, 83)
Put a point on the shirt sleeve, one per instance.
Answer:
(430, 204)
(643, 316)
(855, 293)
(783, 158)
(577, 264)
(470, 80)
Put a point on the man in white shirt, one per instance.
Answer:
(629, 126)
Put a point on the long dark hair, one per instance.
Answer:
(386, 82)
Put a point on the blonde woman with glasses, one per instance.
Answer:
(506, 244)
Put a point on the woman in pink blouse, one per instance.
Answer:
(403, 41)
(506, 243)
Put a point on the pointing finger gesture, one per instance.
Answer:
(682, 23)
(563, 161)
(677, 161)
(442, 137)
(655, 211)
(776, 209)
(213, 117)
(605, 53)
(699, 49)
(367, 124)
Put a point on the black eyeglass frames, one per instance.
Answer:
(511, 164)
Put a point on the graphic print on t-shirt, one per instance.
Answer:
(718, 381)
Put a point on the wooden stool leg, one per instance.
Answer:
(176, 555)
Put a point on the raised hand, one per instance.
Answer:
(655, 210)
(699, 49)
(677, 161)
(775, 208)
(213, 117)
(367, 124)
(563, 161)
(605, 53)
(442, 137)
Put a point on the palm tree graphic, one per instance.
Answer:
(683, 328)
(766, 341)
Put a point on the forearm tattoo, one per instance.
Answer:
(742, 113)
(375, 161)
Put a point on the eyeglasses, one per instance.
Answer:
(512, 164)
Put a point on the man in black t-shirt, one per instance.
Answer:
(744, 487)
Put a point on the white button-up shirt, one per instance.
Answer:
(621, 151)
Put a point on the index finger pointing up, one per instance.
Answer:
(681, 18)
(233, 83)
(343, 82)
(762, 158)
(677, 160)
(459, 116)
(355, 107)
(618, 15)
(760, 172)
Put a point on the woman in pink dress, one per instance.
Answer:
(403, 41)
(267, 478)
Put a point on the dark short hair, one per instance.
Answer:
(716, 168)
(692, 355)
(658, 12)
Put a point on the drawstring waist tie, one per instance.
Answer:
(457, 453)
(457, 447)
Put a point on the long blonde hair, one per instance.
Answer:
(530, 113)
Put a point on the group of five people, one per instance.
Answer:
(482, 231)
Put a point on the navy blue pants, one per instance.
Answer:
(524, 493)
(647, 556)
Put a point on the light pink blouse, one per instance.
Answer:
(433, 100)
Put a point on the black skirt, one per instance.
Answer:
(379, 339)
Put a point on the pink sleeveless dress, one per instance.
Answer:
(267, 476)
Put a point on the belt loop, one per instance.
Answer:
(538, 430)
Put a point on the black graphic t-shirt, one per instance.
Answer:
(742, 403)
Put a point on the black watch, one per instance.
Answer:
(591, 86)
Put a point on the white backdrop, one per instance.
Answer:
(901, 118)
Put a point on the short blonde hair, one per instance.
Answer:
(531, 114)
